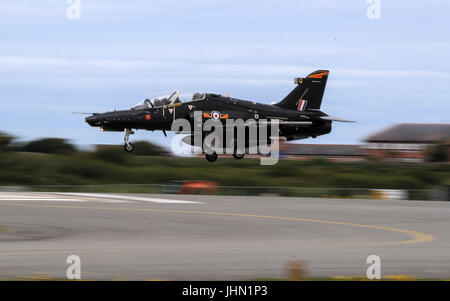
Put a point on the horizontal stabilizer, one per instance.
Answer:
(331, 118)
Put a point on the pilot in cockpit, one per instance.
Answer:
(197, 96)
(168, 99)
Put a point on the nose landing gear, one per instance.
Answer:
(128, 147)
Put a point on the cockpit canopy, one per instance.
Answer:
(168, 99)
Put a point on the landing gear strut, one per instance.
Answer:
(128, 147)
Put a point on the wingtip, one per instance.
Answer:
(337, 119)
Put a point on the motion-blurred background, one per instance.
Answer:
(406, 161)
(389, 73)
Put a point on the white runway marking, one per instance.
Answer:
(130, 198)
(38, 199)
(47, 197)
(90, 197)
(10, 196)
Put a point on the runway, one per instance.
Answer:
(187, 237)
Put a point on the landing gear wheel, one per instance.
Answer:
(129, 147)
(239, 153)
(211, 157)
(238, 156)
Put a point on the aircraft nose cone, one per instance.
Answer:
(92, 120)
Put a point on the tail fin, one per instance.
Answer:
(308, 94)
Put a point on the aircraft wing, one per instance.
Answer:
(331, 118)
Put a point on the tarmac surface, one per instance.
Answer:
(188, 237)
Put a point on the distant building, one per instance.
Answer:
(408, 142)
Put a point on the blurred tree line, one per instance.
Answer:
(54, 161)
(438, 152)
(62, 146)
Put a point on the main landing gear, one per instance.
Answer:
(213, 156)
(238, 156)
(128, 147)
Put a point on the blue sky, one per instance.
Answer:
(385, 71)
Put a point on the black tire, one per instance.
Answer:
(238, 156)
(128, 147)
(211, 157)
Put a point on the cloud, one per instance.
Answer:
(249, 71)
(392, 70)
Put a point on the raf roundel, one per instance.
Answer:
(148, 116)
(215, 115)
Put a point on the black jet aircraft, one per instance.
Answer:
(298, 114)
